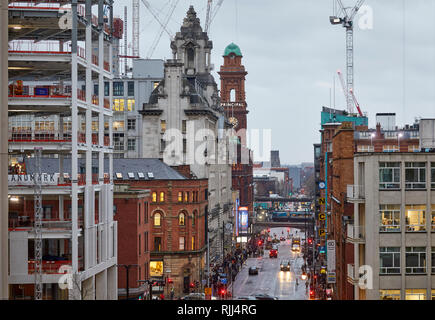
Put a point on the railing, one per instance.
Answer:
(355, 232)
(95, 178)
(107, 66)
(95, 59)
(50, 91)
(52, 267)
(355, 192)
(29, 135)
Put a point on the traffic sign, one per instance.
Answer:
(322, 217)
(322, 232)
(321, 200)
(322, 185)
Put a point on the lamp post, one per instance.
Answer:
(127, 268)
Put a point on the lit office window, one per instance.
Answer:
(389, 215)
(415, 294)
(389, 294)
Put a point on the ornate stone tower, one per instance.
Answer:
(233, 97)
(233, 100)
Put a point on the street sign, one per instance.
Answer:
(322, 185)
(321, 200)
(322, 217)
(331, 277)
(322, 232)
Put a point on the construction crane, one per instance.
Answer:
(162, 29)
(38, 223)
(211, 13)
(345, 16)
(350, 94)
(154, 14)
(135, 28)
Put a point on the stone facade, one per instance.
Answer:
(186, 102)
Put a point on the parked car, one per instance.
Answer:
(194, 296)
(245, 298)
(253, 270)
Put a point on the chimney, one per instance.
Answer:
(378, 130)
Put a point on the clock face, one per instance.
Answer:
(234, 122)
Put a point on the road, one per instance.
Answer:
(270, 280)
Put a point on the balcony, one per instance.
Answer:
(355, 193)
(54, 266)
(355, 234)
(351, 274)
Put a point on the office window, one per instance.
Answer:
(186, 196)
(131, 103)
(130, 88)
(365, 148)
(432, 174)
(389, 215)
(389, 175)
(433, 260)
(389, 260)
(193, 243)
(390, 148)
(389, 294)
(183, 126)
(145, 237)
(415, 294)
(413, 148)
(162, 126)
(206, 194)
(181, 243)
(157, 244)
(118, 88)
(415, 218)
(162, 145)
(181, 219)
(140, 247)
(118, 105)
(131, 124)
(106, 89)
(157, 219)
(139, 213)
(180, 196)
(433, 294)
(118, 141)
(184, 145)
(96, 89)
(162, 196)
(154, 197)
(193, 218)
(415, 175)
(415, 260)
(145, 214)
(131, 144)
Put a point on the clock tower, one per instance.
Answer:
(233, 100)
(233, 97)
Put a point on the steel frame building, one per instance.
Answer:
(59, 53)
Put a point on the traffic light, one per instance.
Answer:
(311, 293)
(310, 241)
(192, 285)
(170, 280)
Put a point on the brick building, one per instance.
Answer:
(169, 227)
(341, 142)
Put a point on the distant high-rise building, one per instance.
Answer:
(274, 159)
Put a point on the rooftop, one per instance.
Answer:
(233, 48)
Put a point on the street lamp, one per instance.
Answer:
(127, 268)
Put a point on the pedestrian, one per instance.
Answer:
(172, 293)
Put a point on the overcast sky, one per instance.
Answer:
(292, 53)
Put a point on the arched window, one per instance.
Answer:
(162, 196)
(157, 219)
(181, 219)
(233, 95)
(190, 58)
(154, 196)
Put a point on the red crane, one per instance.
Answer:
(346, 94)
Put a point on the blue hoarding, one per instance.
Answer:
(243, 220)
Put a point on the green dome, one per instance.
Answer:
(232, 48)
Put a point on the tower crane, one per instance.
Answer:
(211, 13)
(350, 94)
(345, 18)
(162, 29)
